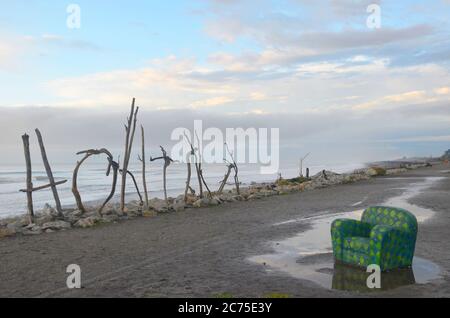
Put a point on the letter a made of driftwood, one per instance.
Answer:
(111, 164)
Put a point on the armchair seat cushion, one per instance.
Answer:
(357, 244)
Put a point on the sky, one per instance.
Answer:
(313, 68)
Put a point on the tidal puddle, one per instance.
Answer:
(308, 255)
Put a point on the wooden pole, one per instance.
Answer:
(144, 179)
(225, 179)
(44, 186)
(128, 146)
(49, 173)
(26, 148)
(167, 162)
(188, 180)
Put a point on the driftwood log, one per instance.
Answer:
(235, 168)
(130, 129)
(111, 164)
(225, 178)
(142, 159)
(167, 162)
(29, 190)
(135, 185)
(189, 157)
(200, 170)
(49, 172)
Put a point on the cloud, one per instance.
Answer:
(64, 42)
(351, 135)
(211, 102)
(413, 97)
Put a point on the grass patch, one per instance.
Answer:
(277, 295)
(224, 295)
(293, 181)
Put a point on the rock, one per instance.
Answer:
(49, 210)
(201, 203)
(191, 199)
(56, 225)
(395, 171)
(29, 232)
(179, 205)
(42, 219)
(134, 212)
(110, 218)
(226, 197)
(205, 202)
(214, 201)
(87, 222)
(254, 197)
(5, 232)
(18, 225)
(49, 231)
(158, 205)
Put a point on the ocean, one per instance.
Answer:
(94, 185)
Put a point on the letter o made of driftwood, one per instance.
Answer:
(111, 164)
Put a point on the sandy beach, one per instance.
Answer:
(209, 252)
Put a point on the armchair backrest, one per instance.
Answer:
(395, 217)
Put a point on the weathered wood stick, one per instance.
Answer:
(135, 184)
(188, 181)
(144, 179)
(206, 186)
(236, 179)
(75, 191)
(26, 148)
(48, 169)
(167, 162)
(44, 186)
(125, 163)
(115, 167)
(225, 179)
(128, 146)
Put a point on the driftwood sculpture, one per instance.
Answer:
(111, 164)
(190, 155)
(142, 159)
(130, 129)
(235, 168)
(200, 171)
(167, 162)
(230, 167)
(135, 185)
(198, 168)
(29, 190)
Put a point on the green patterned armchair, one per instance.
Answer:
(385, 236)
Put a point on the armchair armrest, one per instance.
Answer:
(391, 247)
(342, 228)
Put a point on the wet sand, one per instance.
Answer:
(209, 252)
